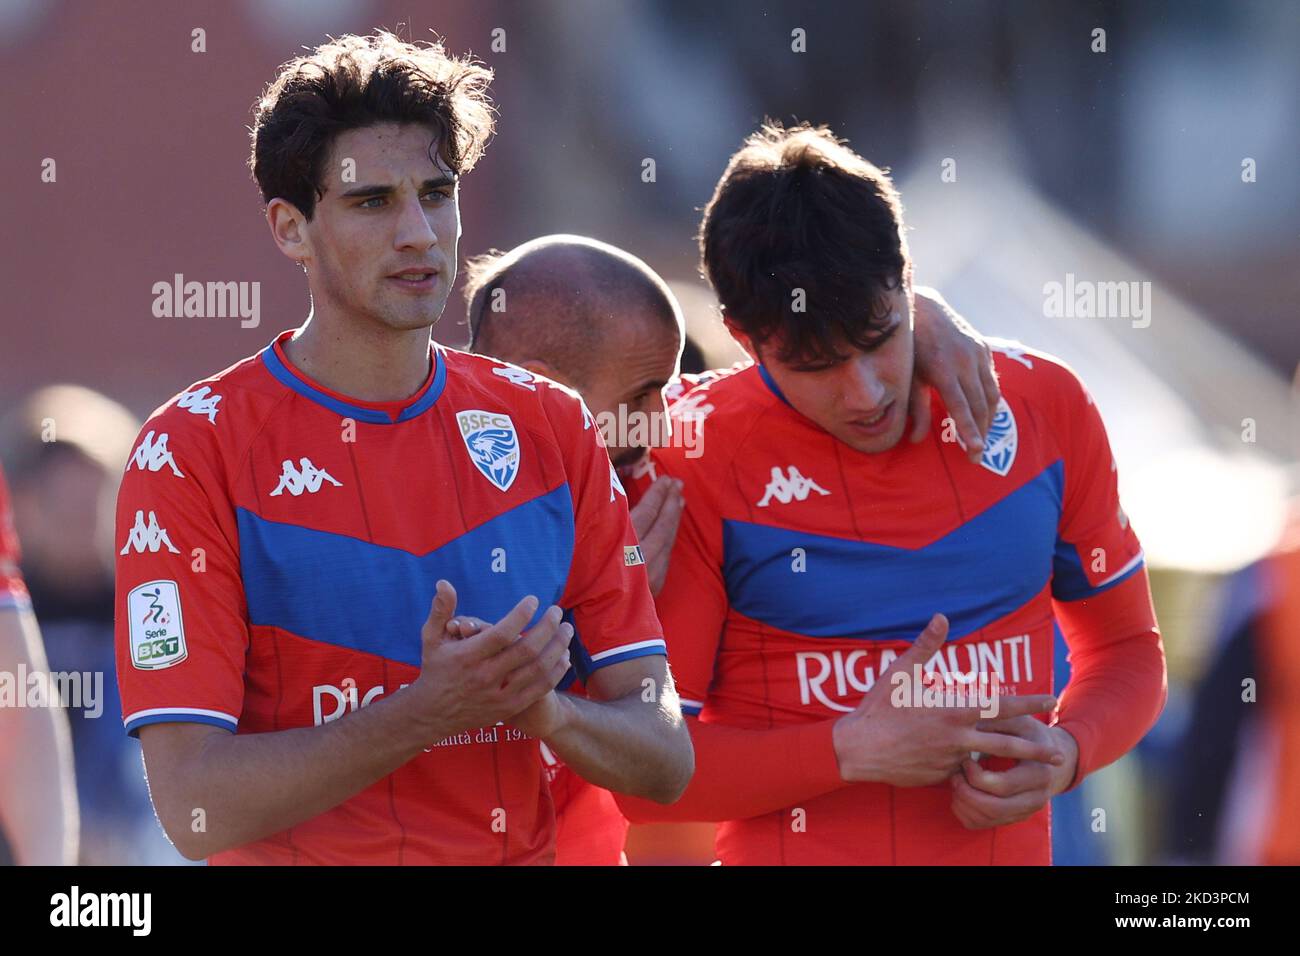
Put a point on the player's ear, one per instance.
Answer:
(287, 223)
(743, 340)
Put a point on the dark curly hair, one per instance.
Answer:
(796, 209)
(353, 82)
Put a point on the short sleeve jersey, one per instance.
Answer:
(279, 544)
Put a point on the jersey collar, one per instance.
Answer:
(771, 384)
(375, 413)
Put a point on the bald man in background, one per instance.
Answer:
(599, 320)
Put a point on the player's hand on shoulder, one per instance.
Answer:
(954, 358)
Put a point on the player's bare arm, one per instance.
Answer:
(953, 358)
(627, 736)
(252, 785)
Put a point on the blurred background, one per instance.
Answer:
(1029, 148)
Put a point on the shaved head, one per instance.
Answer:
(584, 313)
(566, 301)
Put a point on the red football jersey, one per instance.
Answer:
(278, 549)
(590, 829)
(803, 568)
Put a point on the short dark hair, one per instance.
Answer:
(796, 209)
(354, 82)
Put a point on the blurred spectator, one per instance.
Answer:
(64, 448)
(38, 803)
(1236, 781)
(1236, 786)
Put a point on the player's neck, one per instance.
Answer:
(363, 362)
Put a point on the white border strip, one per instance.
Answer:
(658, 642)
(1123, 571)
(196, 711)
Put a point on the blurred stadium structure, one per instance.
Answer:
(1176, 393)
(1116, 166)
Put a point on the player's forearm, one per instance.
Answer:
(38, 795)
(742, 773)
(626, 745)
(254, 785)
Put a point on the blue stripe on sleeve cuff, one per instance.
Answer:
(657, 647)
(133, 728)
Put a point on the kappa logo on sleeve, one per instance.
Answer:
(519, 376)
(152, 454)
(694, 405)
(615, 484)
(1012, 350)
(147, 537)
(157, 632)
(492, 443)
(200, 401)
